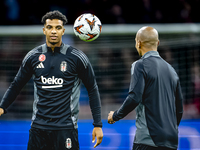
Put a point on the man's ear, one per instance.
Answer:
(139, 44)
(63, 31)
(44, 31)
(158, 42)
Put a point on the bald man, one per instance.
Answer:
(156, 96)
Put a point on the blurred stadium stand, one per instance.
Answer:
(19, 12)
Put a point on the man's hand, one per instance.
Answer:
(110, 117)
(97, 132)
(1, 111)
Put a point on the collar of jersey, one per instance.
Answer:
(56, 49)
(151, 53)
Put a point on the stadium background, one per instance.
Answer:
(111, 55)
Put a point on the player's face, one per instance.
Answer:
(54, 30)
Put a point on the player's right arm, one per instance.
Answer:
(135, 93)
(23, 76)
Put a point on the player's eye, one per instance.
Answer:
(59, 27)
(48, 27)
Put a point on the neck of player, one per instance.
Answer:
(53, 45)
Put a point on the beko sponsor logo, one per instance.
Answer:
(52, 82)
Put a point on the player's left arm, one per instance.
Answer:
(87, 76)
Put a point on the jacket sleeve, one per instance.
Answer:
(86, 74)
(23, 76)
(135, 91)
(179, 103)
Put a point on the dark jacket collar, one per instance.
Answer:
(151, 53)
(56, 49)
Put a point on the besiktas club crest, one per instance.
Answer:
(63, 66)
(68, 143)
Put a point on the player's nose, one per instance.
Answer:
(53, 31)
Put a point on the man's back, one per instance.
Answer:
(155, 94)
(156, 115)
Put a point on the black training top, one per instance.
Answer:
(57, 78)
(156, 94)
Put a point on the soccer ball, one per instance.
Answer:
(87, 27)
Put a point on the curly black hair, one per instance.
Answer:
(54, 15)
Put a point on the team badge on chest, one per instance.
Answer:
(42, 58)
(68, 143)
(63, 66)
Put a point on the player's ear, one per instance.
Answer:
(44, 31)
(139, 44)
(63, 31)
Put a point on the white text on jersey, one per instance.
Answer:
(57, 82)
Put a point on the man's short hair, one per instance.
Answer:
(54, 15)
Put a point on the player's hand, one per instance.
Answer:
(110, 117)
(98, 133)
(1, 111)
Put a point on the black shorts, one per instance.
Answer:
(53, 139)
(146, 147)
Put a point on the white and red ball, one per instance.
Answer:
(87, 27)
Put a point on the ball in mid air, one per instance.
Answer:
(87, 27)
